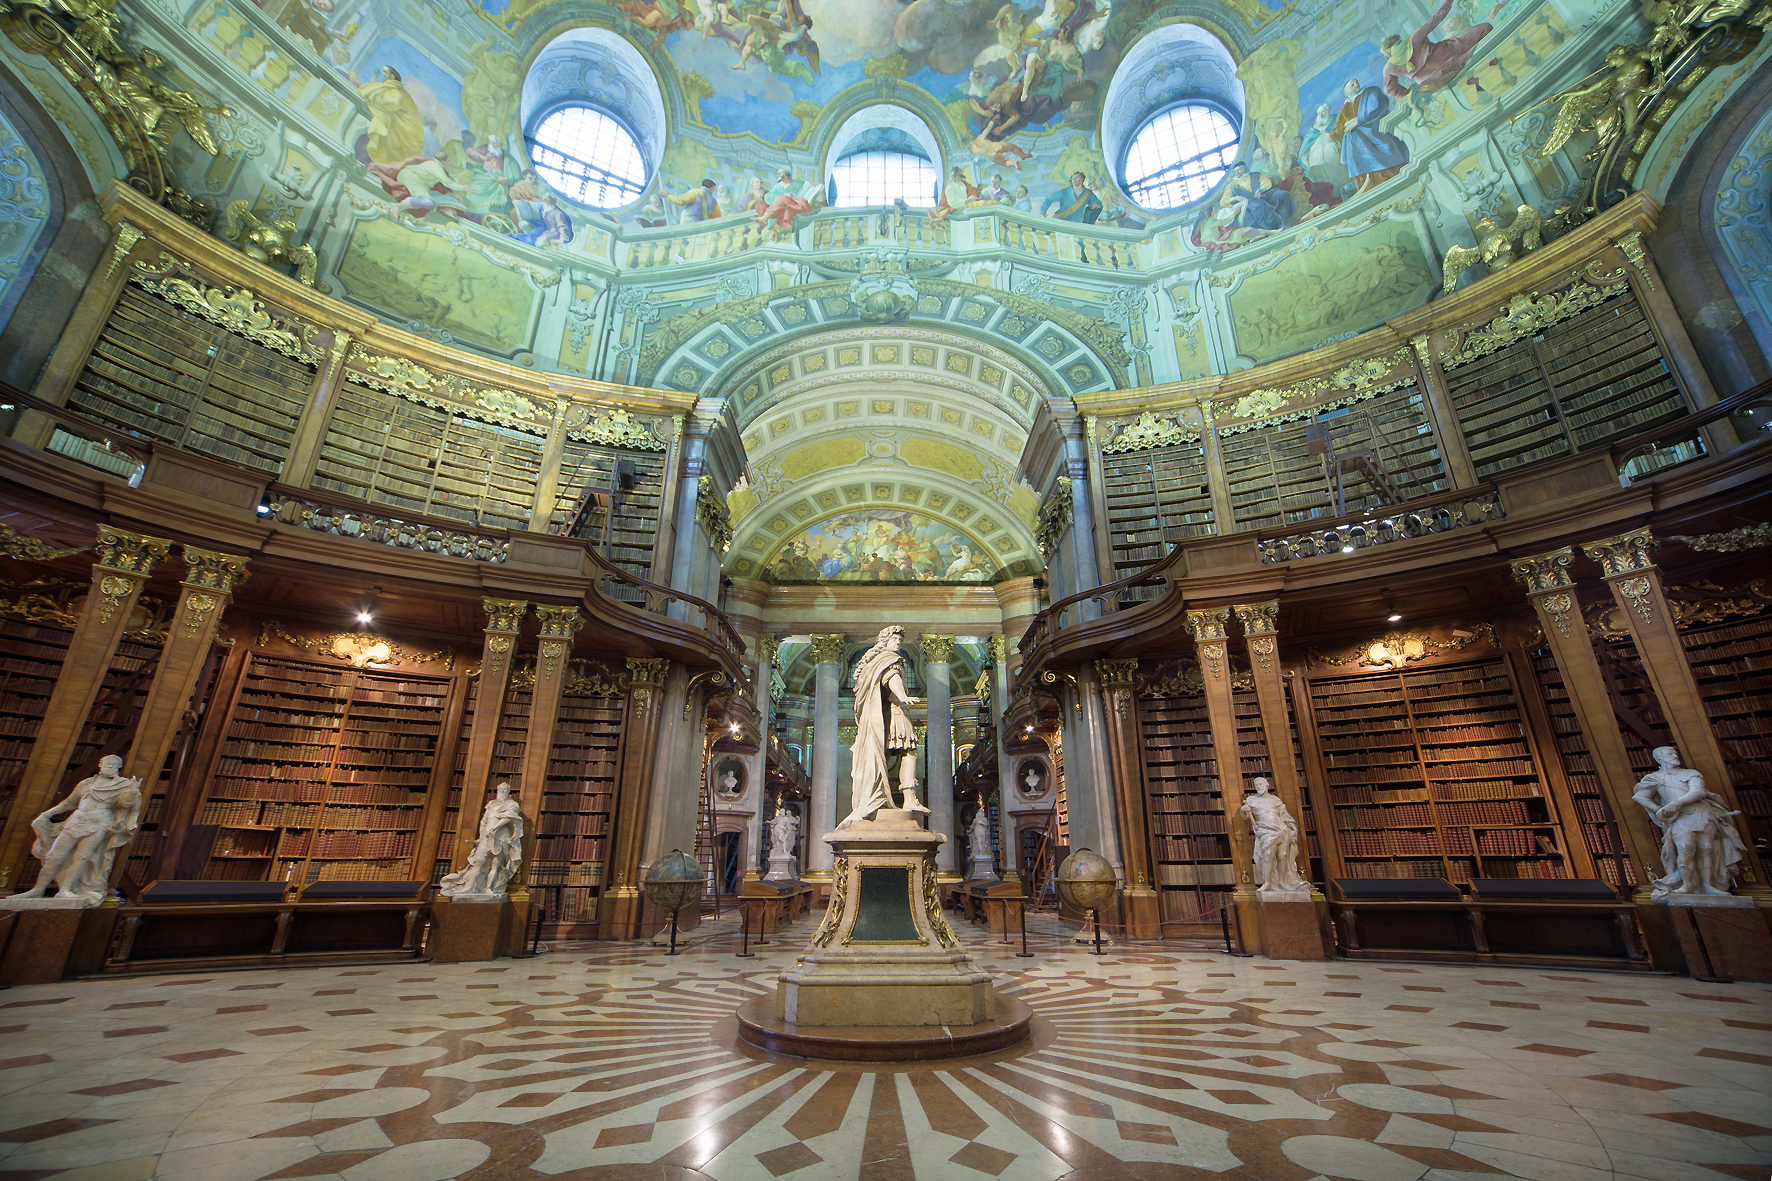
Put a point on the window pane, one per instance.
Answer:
(1180, 156)
(871, 179)
(588, 157)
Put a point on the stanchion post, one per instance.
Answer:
(673, 932)
(1095, 917)
(744, 909)
(1021, 909)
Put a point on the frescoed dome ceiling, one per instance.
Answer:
(917, 430)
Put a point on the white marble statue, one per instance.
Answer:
(882, 729)
(980, 836)
(1699, 844)
(1033, 783)
(784, 832)
(498, 853)
(728, 785)
(1276, 842)
(77, 852)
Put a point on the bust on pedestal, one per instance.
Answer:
(884, 977)
(1290, 925)
(1700, 849)
(77, 854)
(784, 843)
(471, 923)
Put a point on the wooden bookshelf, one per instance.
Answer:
(1275, 479)
(450, 836)
(1190, 842)
(577, 808)
(1599, 826)
(31, 657)
(160, 373)
(586, 468)
(1430, 774)
(1154, 499)
(422, 459)
(1579, 384)
(323, 773)
(1732, 663)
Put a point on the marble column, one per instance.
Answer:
(124, 562)
(1208, 629)
(827, 653)
(756, 792)
(938, 776)
(1636, 585)
(1551, 591)
(1140, 902)
(1011, 854)
(620, 905)
(558, 626)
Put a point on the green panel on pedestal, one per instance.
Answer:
(883, 907)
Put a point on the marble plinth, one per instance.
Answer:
(1723, 937)
(984, 869)
(884, 957)
(1291, 929)
(36, 902)
(781, 868)
(468, 928)
(53, 938)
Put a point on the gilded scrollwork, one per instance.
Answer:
(1147, 432)
(405, 378)
(833, 914)
(618, 428)
(1527, 315)
(234, 308)
(359, 649)
(1733, 542)
(1396, 649)
(1055, 517)
(16, 545)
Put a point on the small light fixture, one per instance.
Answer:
(1347, 547)
(1391, 614)
(364, 617)
(1394, 617)
(735, 729)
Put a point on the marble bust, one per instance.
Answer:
(1700, 846)
(77, 852)
(1276, 843)
(728, 785)
(497, 854)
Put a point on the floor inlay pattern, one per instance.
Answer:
(616, 1062)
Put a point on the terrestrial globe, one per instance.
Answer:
(674, 881)
(1086, 880)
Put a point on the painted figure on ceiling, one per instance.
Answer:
(555, 228)
(1430, 65)
(956, 194)
(489, 184)
(698, 204)
(1076, 203)
(1320, 153)
(396, 129)
(1370, 156)
(784, 202)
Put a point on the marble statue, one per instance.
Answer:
(1033, 781)
(728, 786)
(980, 836)
(498, 853)
(882, 729)
(1699, 843)
(1276, 842)
(784, 832)
(77, 852)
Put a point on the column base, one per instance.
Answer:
(1141, 908)
(54, 939)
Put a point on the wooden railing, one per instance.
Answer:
(656, 600)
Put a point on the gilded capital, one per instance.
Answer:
(504, 615)
(1544, 572)
(1258, 619)
(828, 649)
(1117, 674)
(767, 647)
(999, 645)
(1623, 554)
(213, 571)
(648, 672)
(130, 553)
(558, 623)
(937, 649)
(1208, 624)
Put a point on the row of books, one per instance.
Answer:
(1194, 874)
(1486, 812)
(342, 816)
(1396, 816)
(1403, 869)
(573, 823)
(569, 848)
(30, 707)
(1184, 823)
(359, 844)
(1483, 790)
(1397, 843)
(1192, 849)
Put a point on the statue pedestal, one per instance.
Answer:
(53, 938)
(781, 868)
(1723, 936)
(984, 869)
(1291, 928)
(884, 957)
(468, 928)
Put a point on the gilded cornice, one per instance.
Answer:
(1527, 315)
(405, 378)
(234, 308)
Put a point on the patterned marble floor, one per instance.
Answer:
(1151, 1063)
